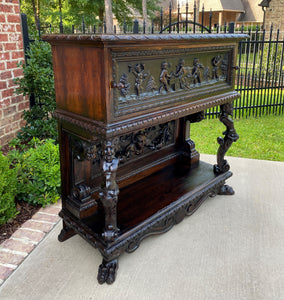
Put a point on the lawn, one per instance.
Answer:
(260, 138)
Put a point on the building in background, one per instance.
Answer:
(273, 14)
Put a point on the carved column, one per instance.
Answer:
(225, 143)
(110, 191)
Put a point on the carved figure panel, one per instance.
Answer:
(166, 76)
(145, 141)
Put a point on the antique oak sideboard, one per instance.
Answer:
(124, 108)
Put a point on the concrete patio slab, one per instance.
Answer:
(231, 248)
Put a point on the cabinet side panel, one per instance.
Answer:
(79, 80)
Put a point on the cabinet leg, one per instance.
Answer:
(110, 191)
(225, 143)
(226, 190)
(107, 271)
(65, 233)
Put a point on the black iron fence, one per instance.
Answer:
(260, 77)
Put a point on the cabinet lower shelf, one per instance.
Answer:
(150, 206)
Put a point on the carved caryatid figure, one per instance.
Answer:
(225, 143)
(164, 77)
(196, 73)
(110, 191)
(138, 71)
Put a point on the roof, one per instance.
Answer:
(253, 12)
(223, 5)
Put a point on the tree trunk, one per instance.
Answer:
(144, 9)
(35, 15)
(108, 16)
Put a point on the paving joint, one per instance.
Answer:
(25, 239)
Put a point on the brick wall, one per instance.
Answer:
(274, 15)
(11, 52)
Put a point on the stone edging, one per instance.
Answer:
(14, 250)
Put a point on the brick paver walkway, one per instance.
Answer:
(14, 250)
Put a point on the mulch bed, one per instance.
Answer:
(26, 211)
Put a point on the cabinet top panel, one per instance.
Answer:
(143, 38)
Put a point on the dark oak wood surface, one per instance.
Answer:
(125, 103)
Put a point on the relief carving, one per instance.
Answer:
(216, 61)
(164, 77)
(196, 71)
(83, 150)
(123, 85)
(145, 141)
(138, 71)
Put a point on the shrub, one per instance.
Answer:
(38, 82)
(8, 183)
(38, 172)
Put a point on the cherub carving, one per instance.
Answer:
(164, 77)
(181, 73)
(196, 74)
(123, 85)
(138, 71)
(215, 61)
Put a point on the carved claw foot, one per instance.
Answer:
(65, 233)
(107, 272)
(226, 190)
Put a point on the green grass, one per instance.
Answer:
(260, 138)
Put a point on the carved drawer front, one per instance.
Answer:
(151, 80)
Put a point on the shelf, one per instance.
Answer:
(146, 200)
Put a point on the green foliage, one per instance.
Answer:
(73, 11)
(8, 184)
(38, 81)
(38, 172)
(272, 59)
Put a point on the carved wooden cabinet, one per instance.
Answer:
(124, 108)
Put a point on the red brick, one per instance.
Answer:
(5, 55)
(18, 72)
(5, 272)
(3, 85)
(2, 66)
(10, 110)
(28, 235)
(14, 18)
(5, 75)
(24, 105)
(2, 18)
(5, 103)
(17, 54)
(11, 83)
(6, 8)
(16, 245)
(17, 117)
(18, 28)
(13, 1)
(51, 210)
(16, 9)
(8, 93)
(10, 258)
(44, 217)
(18, 99)
(9, 128)
(44, 227)
(3, 37)
(12, 64)
(20, 44)
(10, 46)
